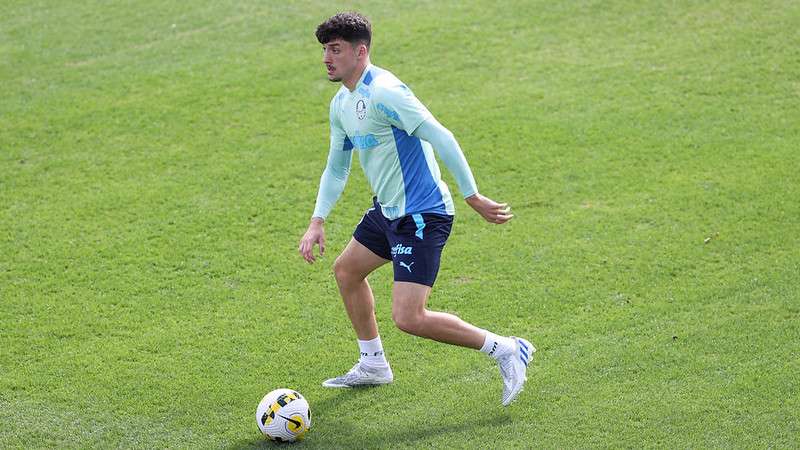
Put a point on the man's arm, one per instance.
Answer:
(334, 177)
(446, 146)
(331, 185)
(400, 108)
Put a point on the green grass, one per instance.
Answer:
(159, 162)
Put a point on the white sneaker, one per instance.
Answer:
(513, 368)
(361, 376)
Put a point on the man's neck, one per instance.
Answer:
(352, 82)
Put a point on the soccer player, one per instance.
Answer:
(378, 116)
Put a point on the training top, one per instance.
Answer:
(378, 119)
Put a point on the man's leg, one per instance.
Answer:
(410, 315)
(512, 354)
(417, 242)
(351, 269)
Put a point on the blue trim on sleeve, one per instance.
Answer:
(422, 192)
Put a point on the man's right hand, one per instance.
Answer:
(314, 235)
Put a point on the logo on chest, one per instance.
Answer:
(361, 109)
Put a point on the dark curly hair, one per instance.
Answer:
(348, 26)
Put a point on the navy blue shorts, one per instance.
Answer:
(414, 243)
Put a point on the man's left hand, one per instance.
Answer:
(489, 209)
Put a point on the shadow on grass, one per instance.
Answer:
(346, 436)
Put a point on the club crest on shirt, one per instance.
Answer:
(361, 109)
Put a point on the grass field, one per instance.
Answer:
(159, 162)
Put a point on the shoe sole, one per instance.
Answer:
(328, 384)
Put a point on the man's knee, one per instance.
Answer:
(408, 307)
(408, 321)
(343, 272)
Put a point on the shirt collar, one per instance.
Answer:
(365, 76)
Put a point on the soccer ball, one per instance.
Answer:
(283, 415)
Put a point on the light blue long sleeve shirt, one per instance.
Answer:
(395, 136)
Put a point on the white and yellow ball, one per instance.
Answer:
(283, 415)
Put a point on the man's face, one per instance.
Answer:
(340, 58)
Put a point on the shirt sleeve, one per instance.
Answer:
(446, 146)
(334, 177)
(400, 107)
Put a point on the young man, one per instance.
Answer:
(375, 114)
